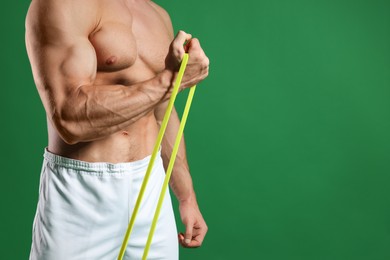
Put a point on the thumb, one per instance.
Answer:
(188, 234)
(177, 44)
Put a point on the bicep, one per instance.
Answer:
(59, 70)
(77, 66)
(61, 55)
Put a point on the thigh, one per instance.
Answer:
(165, 242)
(79, 215)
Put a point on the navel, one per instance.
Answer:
(111, 60)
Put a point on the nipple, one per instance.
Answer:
(111, 60)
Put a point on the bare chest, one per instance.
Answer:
(130, 36)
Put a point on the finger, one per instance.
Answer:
(188, 234)
(199, 233)
(181, 238)
(182, 36)
(181, 241)
(177, 44)
(194, 44)
(187, 46)
(195, 242)
(199, 238)
(195, 50)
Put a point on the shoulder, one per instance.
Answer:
(50, 16)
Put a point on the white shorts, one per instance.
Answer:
(84, 209)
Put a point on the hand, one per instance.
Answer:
(198, 64)
(196, 227)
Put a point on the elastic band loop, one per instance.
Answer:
(153, 157)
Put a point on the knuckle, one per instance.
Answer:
(176, 45)
(194, 45)
(205, 63)
(197, 54)
(195, 41)
(178, 52)
(199, 60)
(202, 56)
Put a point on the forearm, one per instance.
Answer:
(93, 112)
(181, 181)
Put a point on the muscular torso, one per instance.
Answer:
(131, 42)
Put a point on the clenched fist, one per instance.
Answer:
(198, 64)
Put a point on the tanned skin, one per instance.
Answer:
(104, 70)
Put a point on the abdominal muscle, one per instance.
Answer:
(130, 144)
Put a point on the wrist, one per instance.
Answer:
(165, 83)
(188, 199)
(166, 79)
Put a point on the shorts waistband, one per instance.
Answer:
(134, 166)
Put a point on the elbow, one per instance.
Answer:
(68, 130)
(71, 140)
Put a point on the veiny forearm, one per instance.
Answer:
(181, 181)
(94, 112)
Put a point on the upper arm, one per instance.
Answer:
(61, 55)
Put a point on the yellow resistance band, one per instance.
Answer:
(153, 157)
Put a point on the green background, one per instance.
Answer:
(288, 138)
